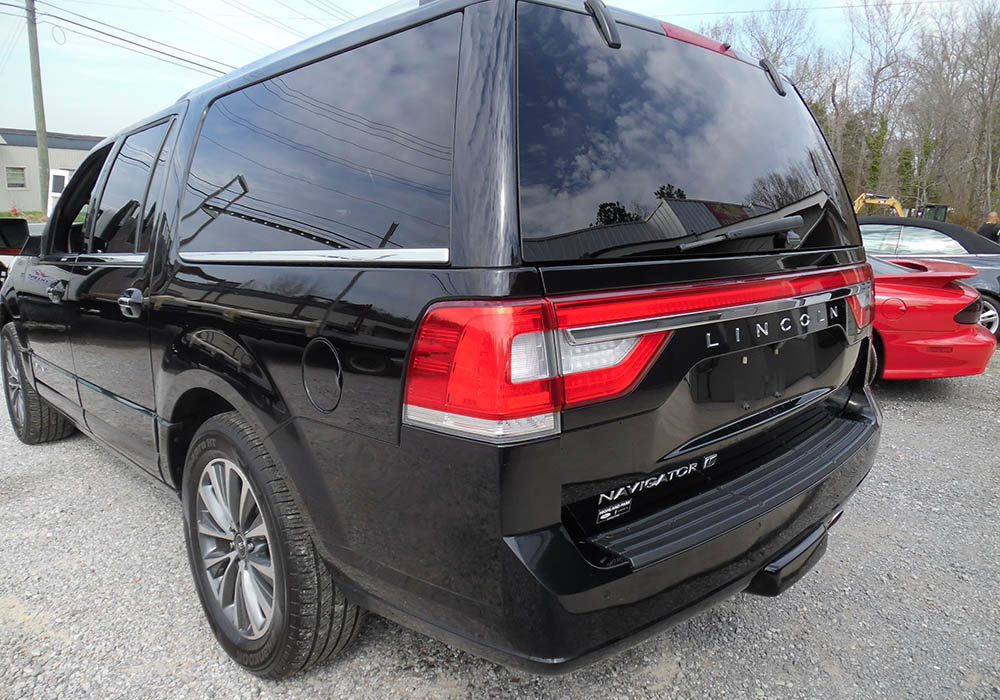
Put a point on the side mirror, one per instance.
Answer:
(13, 235)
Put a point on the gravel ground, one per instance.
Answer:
(96, 601)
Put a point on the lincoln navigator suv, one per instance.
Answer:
(533, 326)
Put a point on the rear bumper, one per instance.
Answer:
(917, 356)
(550, 610)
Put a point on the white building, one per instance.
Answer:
(19, 166)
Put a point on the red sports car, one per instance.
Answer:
(926, 321)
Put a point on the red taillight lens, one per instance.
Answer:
(504, 371)
(462, 362)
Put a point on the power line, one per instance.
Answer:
(128, 41)
(816, 8)
(270, 20)
(135, 34)
(15, 38)
(337, 7)
(214, 73)
(163, 10)
(164, 55)
(321, 23)
(325, 9)
(235, 31)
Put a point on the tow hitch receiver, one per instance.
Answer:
(781, 573)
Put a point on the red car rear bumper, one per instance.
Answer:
(915, 355)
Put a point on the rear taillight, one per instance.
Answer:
(863, 304)
(971, 313)
(503, 371)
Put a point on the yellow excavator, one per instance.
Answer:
(878, 200)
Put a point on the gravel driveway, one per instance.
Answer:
(96, 599)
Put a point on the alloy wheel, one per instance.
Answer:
(235, 548)
(990, 316)
(12, 384)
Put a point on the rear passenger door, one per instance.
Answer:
(110, 329)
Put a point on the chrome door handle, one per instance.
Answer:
(130, 303)
(56, 291)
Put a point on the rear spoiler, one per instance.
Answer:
(928, 273)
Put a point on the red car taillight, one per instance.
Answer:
(504, 370)
(971, 313)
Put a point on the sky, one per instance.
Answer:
(95, 88)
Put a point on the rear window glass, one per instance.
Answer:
(880, 238)
(631, 152)
(354, 151)
(924, 241)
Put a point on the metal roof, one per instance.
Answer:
(26, 138)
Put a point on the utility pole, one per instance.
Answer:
(36, 88)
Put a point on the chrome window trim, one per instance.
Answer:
(628, 329)
(346, 257)
(110, 258)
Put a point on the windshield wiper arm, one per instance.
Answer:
(782, 225)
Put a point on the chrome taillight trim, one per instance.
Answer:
(498, 432)
(627, 329)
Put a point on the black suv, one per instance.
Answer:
(536, 341)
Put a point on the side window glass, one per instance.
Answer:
(64, 235)
(354, 151)
(925, 241)
(880, 239)
(155, 188)
(117, 217)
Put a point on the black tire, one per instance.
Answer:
(310, 619)
(36, 421)
(879, 356)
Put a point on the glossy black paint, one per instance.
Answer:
(469, 542)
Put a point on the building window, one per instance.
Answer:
(16, 179)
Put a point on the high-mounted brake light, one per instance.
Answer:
(503, 371)
(689, 37)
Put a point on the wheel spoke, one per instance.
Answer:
(257, 528)
(263, 567)
(234, 546)
(247, 505)
(210, 527)
(251, 601)
(215, 510)
(215, 557)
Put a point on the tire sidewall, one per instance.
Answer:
(8, 338)
(216, 439)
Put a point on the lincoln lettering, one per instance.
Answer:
(763, 331)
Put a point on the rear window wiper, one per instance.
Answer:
(782, 225)
(605, 22)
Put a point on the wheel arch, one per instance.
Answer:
(879, 344)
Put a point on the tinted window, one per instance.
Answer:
(880, 238)
(117, 216)
(924, 241)
(656, 143)
(65, 231)
(155, 189)
(351, 152)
